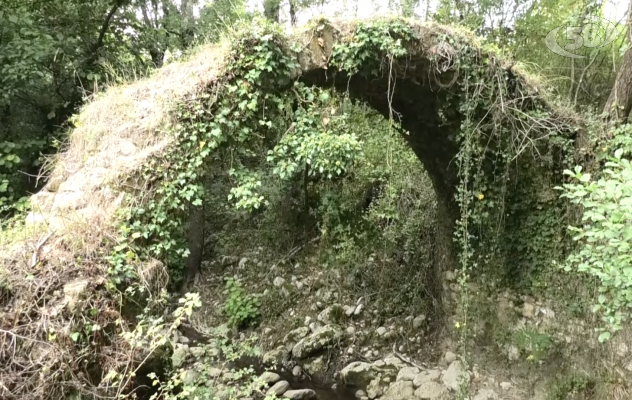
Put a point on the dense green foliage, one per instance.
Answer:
(604, 235)
(281, 164)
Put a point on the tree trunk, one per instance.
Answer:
(195, 237)
(293, 12)
(619, 102)
(271, 10)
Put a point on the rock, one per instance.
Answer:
(297, 370)
(183, 340)
(622, 350)
(293, 337)
(303, 394)
(74, 292)
(214, 372)
(276, 356)
(449, 276)
(374, 389)
(486, 394)
(358, 373)
(418, 321)
(528, 310)
(179, 355)
(391, 362)
(407, 374)
(399, 391)
(331, 314)
(505, 385)
(350, 350)
(320, 339)
(431, 391)
(358, 310)
(242, 263)
(349, 311)
(71, 200)
(229, 376)
(452, 376)
(362, 373)
(513, 354)
(315, 367)
(360, 394)
(270, 377)
(279, 388)
(426, 376)
(278, 281)
(350, 330)
(381, 331)
(190, 377)
(197, 352)
(450, 357)
(222, 395)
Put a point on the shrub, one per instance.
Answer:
(241, 308)
(604, 236)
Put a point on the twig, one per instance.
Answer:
(41, 243)
(404, 359)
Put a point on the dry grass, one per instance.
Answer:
(57, 259)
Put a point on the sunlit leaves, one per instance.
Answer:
(605, 236)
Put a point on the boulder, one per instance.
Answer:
(453, 375)
(486, 394)
(303, 394)
(190, 377)
(74, 293)
(279, 388)
(362, 373)
(426, 376)
(321, 339)
(407, 374)
(278, 281)
(399, 391)
(374, 389)
(293, 337)
(179, 356)
(431, 391)
(276, 356)
(270, 377)
(358, 373)
(450, 357)
(331, 314)
(315, 367)
(418, 321)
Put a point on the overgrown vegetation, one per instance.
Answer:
(278, 153)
